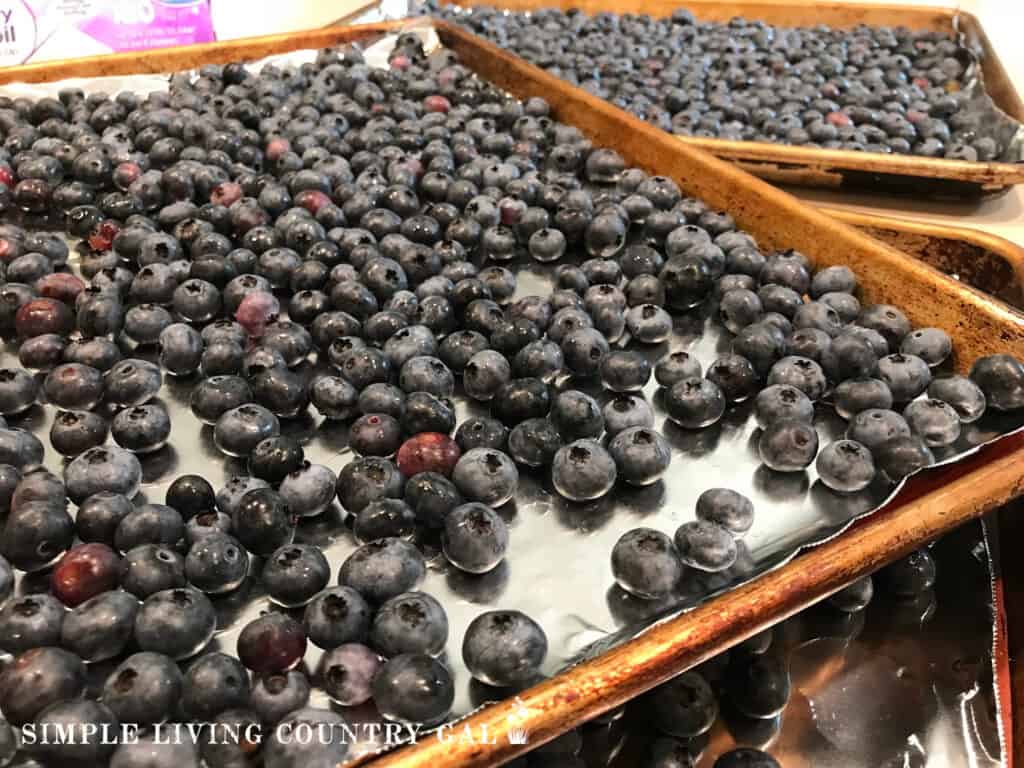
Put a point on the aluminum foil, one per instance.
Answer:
(557, 570)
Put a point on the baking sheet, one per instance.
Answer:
(572, 595)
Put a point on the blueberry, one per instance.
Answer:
(625, 371)
(101, 627)
(308, 489)
(648, 323)
(274, 458)
(641, 455)
(833, 279)
(294, 574)
(677, 366)
(475, 538)
(504, 648)
(855, 395)
(849, 357)
(346, 673)
(19, 448)
(274, 696)
(780, 402)
(38, 678)
(216, 395)
(74, 432)
(74, 717)
(142, 428)
(684, 707)
(367, 479)
(214, 682)
(149, 524)
(485, 374)
(907, 376)
(486, 475)
(932, 345)
(262, 521)
(414, 688)
(758, 686)
(382, 569)
(845, 305)
(36, 534)
(800, 372)
(30, 621)
(812, 343)
(726, 508)
(576, 415)
(746, 757)
(962, 394)
(935, 421)
(534, 442)
(854, 597)
(216, 563)
(74, 387)
(177, 622)
(334, 397)
(336, 616)
(734, 376)
(413, 622)
(694, 403)
(584, 349)
(739, 308)
(271, 643)
(788, 445)
(151, 568)
(583, 470)
(911, 575)
(375, 434)
(18, 391)
(846, 466)
(150, 750)
(284, 750)
(100, 514)
(132, 382)
(902, 456)
(668, 752)
(1001, 379)
(645, 563)
(887, 320)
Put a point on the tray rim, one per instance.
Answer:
(927, 507)
(793, 163)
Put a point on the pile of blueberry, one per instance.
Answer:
(364, 204)
(873, 89)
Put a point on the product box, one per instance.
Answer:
(38, 30)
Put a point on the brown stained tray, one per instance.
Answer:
(839, 169)
(930, 505)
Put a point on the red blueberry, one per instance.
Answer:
(257, 310)
(6, 175)
(838, 118)
(40, 316)
(511, 210)
(226, 193)
(271, 644)
(126, 174)
(62, 286)
(436, 103)
(922, 82)
(428, 452)
(102, 236)
(84, 572)
(9, 250)
(312, 200)
(277, 147)
(400, 61)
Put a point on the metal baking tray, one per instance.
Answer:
(840, 169)
(930, 504)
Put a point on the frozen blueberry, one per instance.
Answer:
(216, 563)
(474, 538)
(413, 622)
(932, 345)
(875, 426)
(74, 387)
(758, 686)
(239, 430)
(274, 696)
(800, 372)
(726, 508)
(677, 366)
(176, 622)
(694, 403)
(214, 683)
(142, 428)
(414, 688)
(906, 375)
(846, 466)
(788, 445)
(935, 421)
(367, 479)
(101, 627)
(583, 470)
(382, 569)
(856, 395)
(902, 456)
(336, 616)
(30, 621)
(645, 563)
(132, 382)
(38, 678)
(854, 597)
(504, 648)
(625, 371)
(684, 707)
(486, 475)
(963, 394)
(648, 323)
(1001, 379)
(262, 521)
